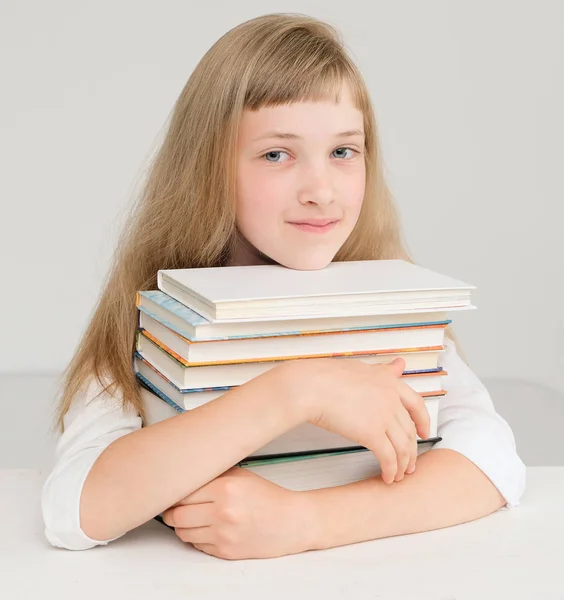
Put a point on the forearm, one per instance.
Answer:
(143, 473)
(446, 489)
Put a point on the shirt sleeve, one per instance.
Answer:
(94, 420)
(470, 425)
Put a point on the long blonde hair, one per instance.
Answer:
(185, 215)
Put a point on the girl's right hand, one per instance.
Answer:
(368, 404)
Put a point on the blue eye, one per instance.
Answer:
(353, 151)
(276, 152)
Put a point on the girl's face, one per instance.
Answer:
(300, 181)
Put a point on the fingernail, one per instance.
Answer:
(411, 470)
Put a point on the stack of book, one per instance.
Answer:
(207, 330)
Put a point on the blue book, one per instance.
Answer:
(192, 326)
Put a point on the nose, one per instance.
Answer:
(316, 186)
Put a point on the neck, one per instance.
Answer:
(245, 254)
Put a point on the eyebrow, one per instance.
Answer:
(293, 136)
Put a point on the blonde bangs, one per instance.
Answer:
(290, 79)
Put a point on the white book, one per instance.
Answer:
(185, 376)
(348, 288)
(323, 470)
(277, 347)
(303, 438)
(187, 398)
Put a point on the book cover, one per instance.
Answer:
(213, 285)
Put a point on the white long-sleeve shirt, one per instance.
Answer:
(467, 423)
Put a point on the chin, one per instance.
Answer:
(310, 262)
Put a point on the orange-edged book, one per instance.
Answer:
(369, 341)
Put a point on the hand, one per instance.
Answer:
(367, 404)
(241, 515)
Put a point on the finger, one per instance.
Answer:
(196, 535)
(415, 405)
(386, 455)
(192, 515)
(409, 427)
(401, 443)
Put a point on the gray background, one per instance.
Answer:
(468, 96)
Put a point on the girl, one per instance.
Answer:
(271, 156)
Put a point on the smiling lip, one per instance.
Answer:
(315, 225)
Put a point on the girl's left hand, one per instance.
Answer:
(241, 515)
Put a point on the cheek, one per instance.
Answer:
(258, 200)
(354, 192)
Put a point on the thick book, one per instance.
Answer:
(368, 341)
(196, 375)
(348, 288)
(323, 470)
(304, 438)
(192, 326)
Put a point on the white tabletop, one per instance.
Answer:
(511, 554)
